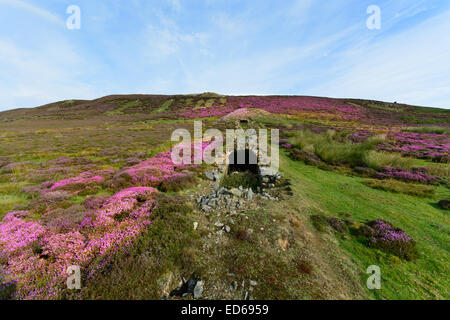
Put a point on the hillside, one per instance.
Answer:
(91, 183)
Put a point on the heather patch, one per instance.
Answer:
(315, 107)
(86, 234)
(420, 145)
(389, 238)
(416, 175)
(158, 171)
(38, 254)
(88, 182)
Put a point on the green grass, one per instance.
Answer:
(401, 187)
(332, 148)
(331, 193)
(164, 107)
(378, 159)
(432, 129)
(125, 106)
(203, 104)
(416, 120)
(8, 201)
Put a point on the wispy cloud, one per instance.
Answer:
(227, 46)
(35, 10)
(411, 67)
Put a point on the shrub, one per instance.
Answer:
(177, 182)
(243, 235)
(444, 204)
(49, 201)
(245, 179)
(305, 156)
(368, 172)
(416, 174)
(400, 187)
(7, 290)
(64, 220)
(338, 224)
(391, 239)
(319, 222)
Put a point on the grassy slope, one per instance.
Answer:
(331, 193)
(339, 263)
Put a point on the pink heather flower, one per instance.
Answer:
(38, 256)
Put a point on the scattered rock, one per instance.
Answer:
(253, 283)
(236, 192)
(198, 290)
(185, 288)
(209, 175)
(249, 195)
(166, 284)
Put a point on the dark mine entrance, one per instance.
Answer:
(243, 161)
(243, 171)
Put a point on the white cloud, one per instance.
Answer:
(31, 78)
(44, 14)
(411, 67)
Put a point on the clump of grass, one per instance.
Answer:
(379, 159)
(245, 179)
(439, 170)
(321, 223)
(396, 186)
(432, 129)
(177, 183)
(333, 148)
(9, 201)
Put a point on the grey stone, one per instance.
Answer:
(253, 283)
(210, 175)
(236, 192)
(198, 290)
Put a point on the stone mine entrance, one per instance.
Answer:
(243, 161)
(243, 171)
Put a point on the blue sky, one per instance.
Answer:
(296, 47)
